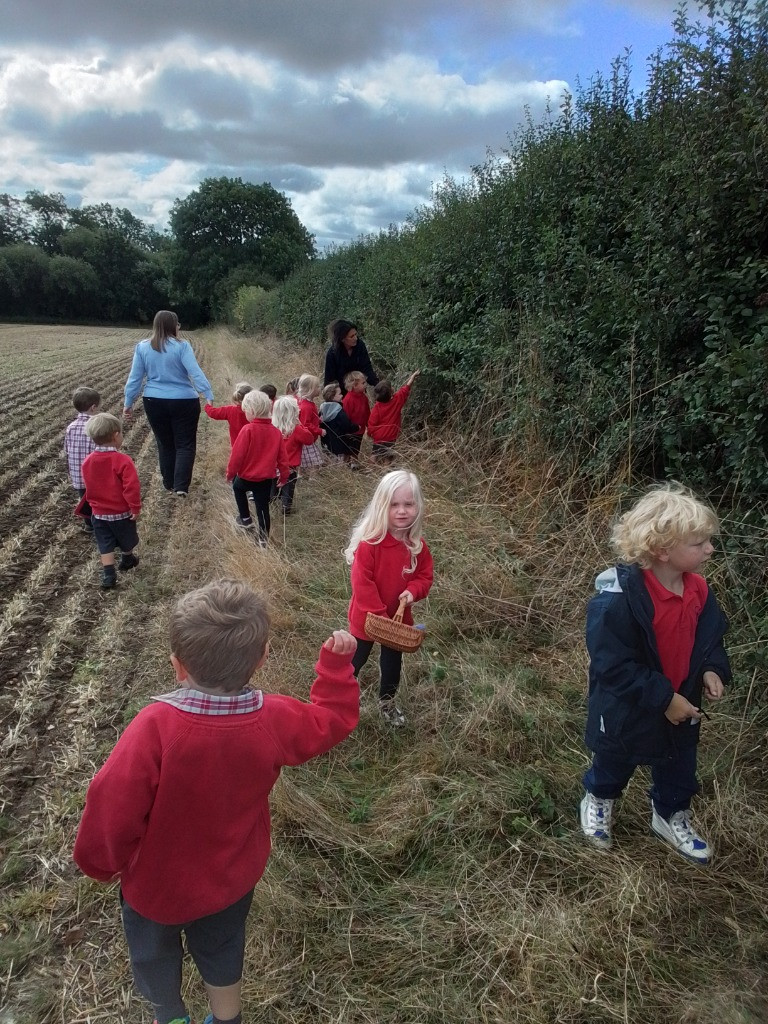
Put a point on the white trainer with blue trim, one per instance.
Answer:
(595, 814)
(681, 836)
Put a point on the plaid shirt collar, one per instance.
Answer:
(199, 703)
(104, 448)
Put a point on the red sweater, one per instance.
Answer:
(234, 416)
(379, 576)
(385, 420)
(111, 483)
(258, 453)
(295, 442)
(355, 405)
(180, 810)
(309, 416)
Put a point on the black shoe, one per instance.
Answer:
(108, 577)
(128, 562)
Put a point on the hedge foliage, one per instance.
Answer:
(601, 287)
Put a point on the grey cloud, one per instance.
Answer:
(210, 95)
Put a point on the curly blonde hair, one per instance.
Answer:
(665, 516)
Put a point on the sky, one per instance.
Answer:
(354, 109)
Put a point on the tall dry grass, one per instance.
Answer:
(435, 874)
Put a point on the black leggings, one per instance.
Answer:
(261, 491)
(390, 666)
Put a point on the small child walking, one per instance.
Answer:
(356, 405)
(337, 425)
(258, 457)
(390, 562)
(306, 393)
(179, 813)
(385, 421)
(654, 636)
(285, 416)
(78, 445)
(233, 414)
(113, 491)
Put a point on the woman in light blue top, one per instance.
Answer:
(171, 402)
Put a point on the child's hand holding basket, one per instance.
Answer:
(394, 633)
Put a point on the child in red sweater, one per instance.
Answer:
(308, 390)
(385, 421)
(390, 562)
(257, 459)
(113, 491)
(285, 416)
(180, 811)
(233, 414)
(355, 404)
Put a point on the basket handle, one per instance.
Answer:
(398, 616)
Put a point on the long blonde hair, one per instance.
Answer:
(309, 386)
(285, 414)
(373, 524)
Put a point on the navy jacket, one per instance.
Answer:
(628, 691)
(337, 427)
(339, 362)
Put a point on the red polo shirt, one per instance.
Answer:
(674, 622)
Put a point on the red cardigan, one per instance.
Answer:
(355, 405)
(180, 810)
(309, 416)
(111, 483)
(258, 453)
(233, 414)
(385, 421)
(379, 576)
(295, 442)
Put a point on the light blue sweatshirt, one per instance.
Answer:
(170, 374)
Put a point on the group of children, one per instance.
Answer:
(654, 636)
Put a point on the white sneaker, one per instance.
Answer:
(595, 814)
(681, 836)
(392, 714)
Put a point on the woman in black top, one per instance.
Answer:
(347, 353)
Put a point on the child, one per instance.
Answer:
(307, 391)
(189, 843)
(258, 456)
(337, 425)
(113, 491)
(78, 445)
(356, 406)
(233, 414)
(270, 391)
(654, 635)
(285, 416)
(292, 386)
(390, 561)
(384, 423)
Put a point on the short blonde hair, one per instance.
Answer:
(102, 427)
(241, 390)
(308, 386)
(665, 516)
(353, 377)
(285, 414)
(219, 633)
(256, 406)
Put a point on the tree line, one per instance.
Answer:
(100, 262)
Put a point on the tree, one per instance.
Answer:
(14, 220)
(228, 223)
(51, 213)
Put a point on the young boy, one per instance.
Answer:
(113, 491)
(654, 635)
(355, 405)
(339, 428)
(180, 811)
(78, 445)
(385, 421)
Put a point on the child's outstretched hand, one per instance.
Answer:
(413, 377)
(713, 686)
(680, 710)
(341, 642)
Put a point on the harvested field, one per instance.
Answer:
(433, 875)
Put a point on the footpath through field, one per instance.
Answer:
(433, 874)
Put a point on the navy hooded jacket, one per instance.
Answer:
(628, 691)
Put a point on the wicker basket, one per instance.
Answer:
(393, 632)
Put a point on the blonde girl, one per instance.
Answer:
(307, 391)
(285, 416)
(390, 562)
(233, 414)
